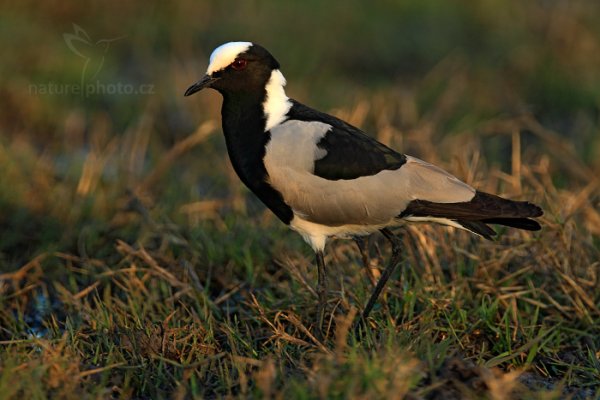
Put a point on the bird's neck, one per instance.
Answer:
(247, 118)
(245, 136)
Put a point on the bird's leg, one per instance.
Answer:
(361, 243)
(394, 261)
(321, 290)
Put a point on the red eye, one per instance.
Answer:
(239, 64)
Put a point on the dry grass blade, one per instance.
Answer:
(343, 325)
(99, 370)
(199, 136)
(24, 270)
(502, 358)
(562, 149)
(143, 255)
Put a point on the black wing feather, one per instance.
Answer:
(351, 153)
(483, 209)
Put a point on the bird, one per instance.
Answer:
(325, 178)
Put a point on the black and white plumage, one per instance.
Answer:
(326, 178)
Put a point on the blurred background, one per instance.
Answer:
(103, 159)
(91, 95)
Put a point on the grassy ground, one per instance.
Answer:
(133, 264)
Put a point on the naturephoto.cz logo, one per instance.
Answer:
(93, 55)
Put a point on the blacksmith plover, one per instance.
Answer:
(326, 178)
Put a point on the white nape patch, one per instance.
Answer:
(225, 54)
(277, 104)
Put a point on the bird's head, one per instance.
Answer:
(237, 67)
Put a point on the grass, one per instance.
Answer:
(133, 264)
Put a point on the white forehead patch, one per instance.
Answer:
(224, 55)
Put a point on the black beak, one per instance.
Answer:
(205, 82)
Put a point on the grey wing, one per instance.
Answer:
(366, 200)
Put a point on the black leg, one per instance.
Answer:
(364, 255)
(321, 291)
(394, 261)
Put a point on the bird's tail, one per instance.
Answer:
(474, 215)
